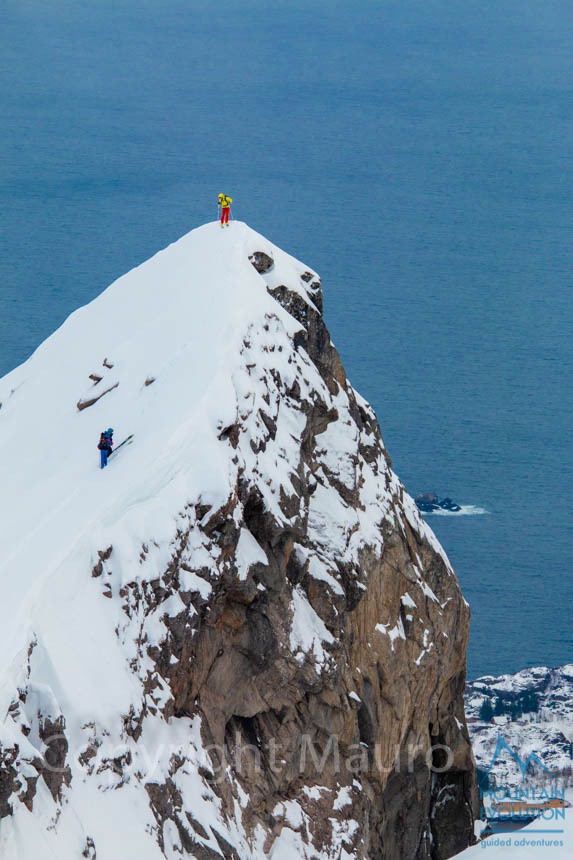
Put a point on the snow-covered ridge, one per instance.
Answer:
(250, 567)
(183, 326)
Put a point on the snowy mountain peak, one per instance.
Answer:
(154, 356)
(247, 575)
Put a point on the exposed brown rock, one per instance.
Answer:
(390, 698)
(9, 782)
(85, 404)
(53, 768)
(103, 556)
(262, 262)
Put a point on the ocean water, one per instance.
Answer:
(418, 155)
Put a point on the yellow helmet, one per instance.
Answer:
(221, 195)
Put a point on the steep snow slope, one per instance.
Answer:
(249, 566)
(180, 318)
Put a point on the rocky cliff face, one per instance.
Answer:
(293, 644)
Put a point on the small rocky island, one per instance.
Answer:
(429, 502)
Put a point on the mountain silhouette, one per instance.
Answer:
(532, 758)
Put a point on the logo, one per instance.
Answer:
(530, 763)
(517, 790)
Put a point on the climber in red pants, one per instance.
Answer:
(225, 204)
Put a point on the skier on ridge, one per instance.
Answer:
(105, 446)
(225, 204)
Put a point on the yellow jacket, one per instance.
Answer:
(225, 202)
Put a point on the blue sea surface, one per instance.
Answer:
(419, 155)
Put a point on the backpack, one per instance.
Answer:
(105, 443)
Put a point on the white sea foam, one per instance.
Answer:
(466, 511)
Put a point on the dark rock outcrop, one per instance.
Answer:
(9, 782)
(262, 262)
(384, 701)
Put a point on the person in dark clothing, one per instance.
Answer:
(105, 446)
